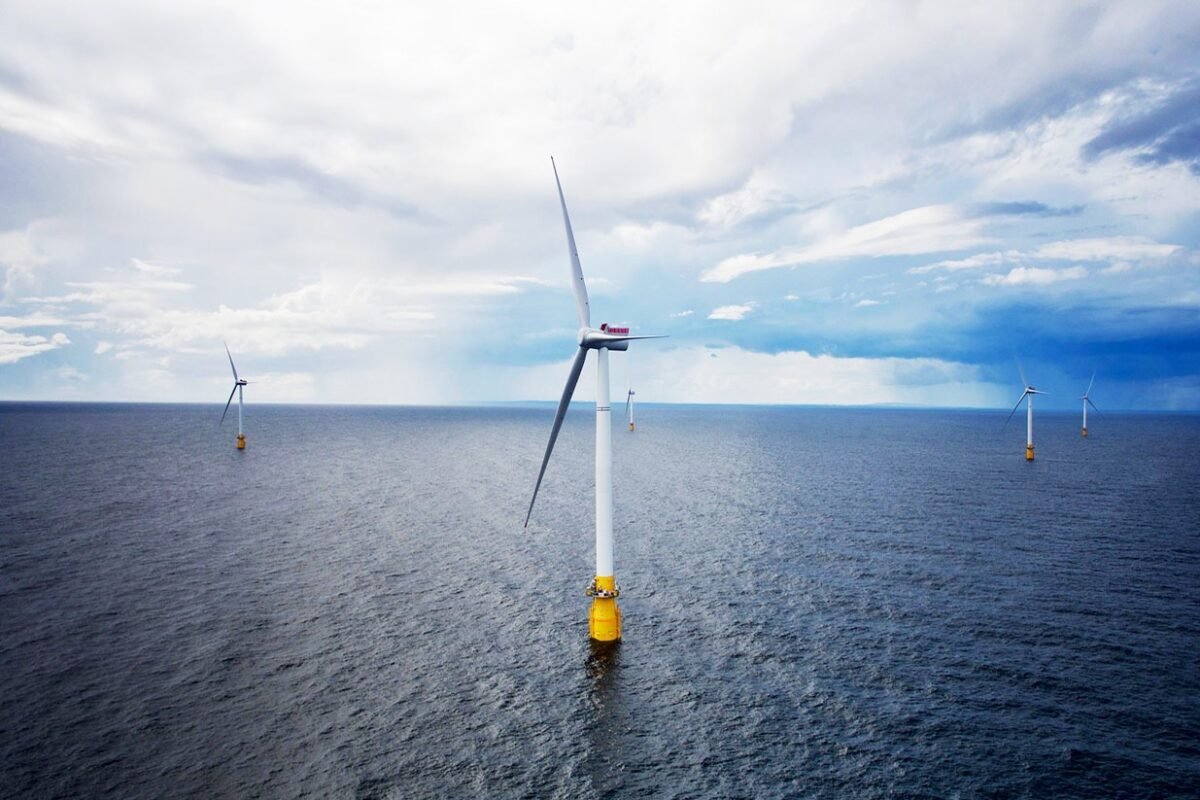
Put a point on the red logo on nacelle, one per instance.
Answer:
(615, 331)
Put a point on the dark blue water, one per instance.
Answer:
(818, 603)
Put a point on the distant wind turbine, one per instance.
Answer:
(238, 383)
(604, 618)
(629, 408)
(1086, 402)
(1027, 395)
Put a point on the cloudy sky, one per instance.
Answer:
(820, 203)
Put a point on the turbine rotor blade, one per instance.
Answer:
(227, 402)
(628, 398)
(1020, 369)
(594, 338)
(1010, 414)
(231, 366)
(1093, 380)
(1093, 405)
(563, 405)
(581, 296)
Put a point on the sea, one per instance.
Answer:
(818, 603)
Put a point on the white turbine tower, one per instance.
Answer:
(629, 409)
(238, 383)
(604, 618)
(1027, 395)
(1086, 402)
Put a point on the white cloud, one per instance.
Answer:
(1113, 248)
(103, 347)
(1035, 276)
(971, 262)
(693, 375)
(34, 320)
(19, 255)
(734, 208)
(339, 199)
(153, 269)
(16, 346)
(732, 313)
(865, 302)
(284, 387)
(687, 313)
(929, 229)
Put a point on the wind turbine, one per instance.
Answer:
(604, 618)
(238, 383)
(1086, 402)
(1027, 395)
(629, 408)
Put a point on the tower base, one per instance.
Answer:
(631, 427)
(1029, 452)
(241, 441)
(604, 617)
(1085, 433)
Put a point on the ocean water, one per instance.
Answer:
(818, 603)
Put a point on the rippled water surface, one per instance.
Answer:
(818, 603)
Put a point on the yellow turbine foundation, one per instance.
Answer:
(1085, 433)
(631, 427)
(1029, 452)
(604, 618)
(241, 441)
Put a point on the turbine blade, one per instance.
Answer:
(227, 402)
(644, 336)
(1020, 369)
(628, 398)
(1093, 405)
(1010, 414)
(563, 404)
(581, 296)
(231, 366)
(1093, 380)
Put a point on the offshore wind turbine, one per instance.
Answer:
(238, 383)
(604, 617)
(1027, 396)
(1086, 402)
(629, 408)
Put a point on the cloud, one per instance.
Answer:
(929, 229)
(751, 204)
(696, 374)
(1035, 276)
(19, 255)
(687, 313)
(732, 313)
(338, 204)
(1112, 248)
(865, 302)
(103, 347)
(1159, 130)
(16, 346)
(971, 262)
(35, 320)
(1025, 208)
(1128, 248)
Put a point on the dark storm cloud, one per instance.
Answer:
(1168, 132)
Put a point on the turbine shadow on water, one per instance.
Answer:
(608, 725)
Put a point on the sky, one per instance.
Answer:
(851, 203)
